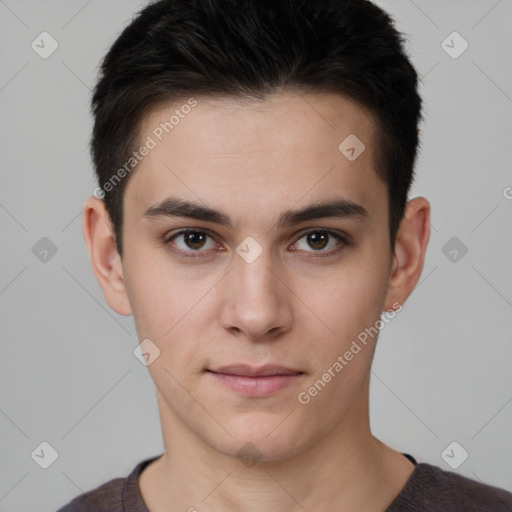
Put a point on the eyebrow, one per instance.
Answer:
(336, 208)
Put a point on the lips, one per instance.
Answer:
(253, 371)
(252, 381)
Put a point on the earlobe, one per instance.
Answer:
(409, 252)
(105, 260)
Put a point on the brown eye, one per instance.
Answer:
(319, 240)
(194, 240)
(187, 242)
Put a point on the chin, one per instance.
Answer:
(250, 451)
(263, 441)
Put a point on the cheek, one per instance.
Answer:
(169, 308)
(348, 302)
(159, 293)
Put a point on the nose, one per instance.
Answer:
(257, 304)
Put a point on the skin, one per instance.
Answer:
(252, 160)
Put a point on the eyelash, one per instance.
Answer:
(345, 241)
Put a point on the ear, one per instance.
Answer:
(105, 260)
(409, 252)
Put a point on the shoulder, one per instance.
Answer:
(116, 495)
(108, 496)
(435, 490)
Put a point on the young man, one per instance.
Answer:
(254, 159)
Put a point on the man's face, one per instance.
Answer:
(259, 292)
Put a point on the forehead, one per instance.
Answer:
(258, 154)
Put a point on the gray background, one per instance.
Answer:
(68, 373)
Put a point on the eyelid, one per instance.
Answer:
(341, 236)
(345, 237)
(168, 238)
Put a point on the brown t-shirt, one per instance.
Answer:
(429, 489)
